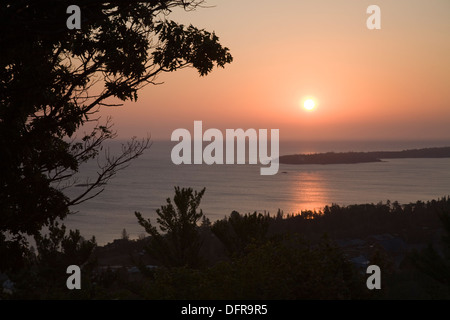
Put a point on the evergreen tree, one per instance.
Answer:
(177, 243)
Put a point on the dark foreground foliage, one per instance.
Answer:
(286, 268)
(253, 256)
(55, 80)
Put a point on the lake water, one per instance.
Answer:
(150, 179)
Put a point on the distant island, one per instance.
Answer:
(362, 157)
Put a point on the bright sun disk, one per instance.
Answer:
(309, 104)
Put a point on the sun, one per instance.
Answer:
(309, 104)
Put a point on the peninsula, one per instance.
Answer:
(362, 157)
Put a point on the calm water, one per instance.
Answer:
(150, 179)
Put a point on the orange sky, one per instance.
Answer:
(392, 83)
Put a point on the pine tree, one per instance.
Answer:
(177, 242)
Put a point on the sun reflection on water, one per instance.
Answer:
(310, 192)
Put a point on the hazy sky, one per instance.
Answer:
(392, 83)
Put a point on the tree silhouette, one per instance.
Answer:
(238, 231)
(434, 262)
(179, 244)
(53, 81)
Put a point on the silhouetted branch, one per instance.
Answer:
(130, 151)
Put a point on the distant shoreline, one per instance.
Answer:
(363, 157)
